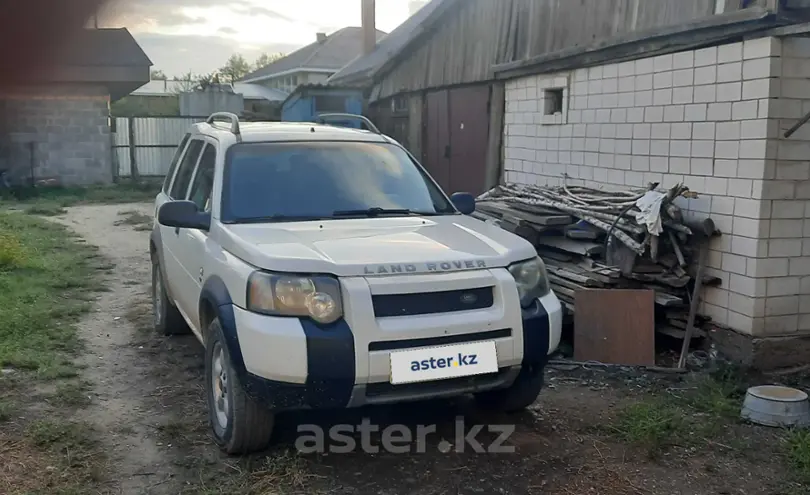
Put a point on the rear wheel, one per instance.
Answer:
(239, 424)
(167, 318)
(518, 396)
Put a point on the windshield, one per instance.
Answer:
(314, 180)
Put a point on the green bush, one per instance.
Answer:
(12, 253)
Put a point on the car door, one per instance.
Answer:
(192, 242)
(172, 252)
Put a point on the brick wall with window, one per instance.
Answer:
(712, 118)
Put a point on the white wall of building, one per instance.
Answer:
(712, 119)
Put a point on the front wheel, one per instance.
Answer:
(239, 424)
(518, 396)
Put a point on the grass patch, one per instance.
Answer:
(278, 473)
(696, 415)
(132, 217)
(654, 424)
(12, 254)
(798, 453)
(7, 410)
(44, 283)
(72, 394)
(52, 198)
(46, 210)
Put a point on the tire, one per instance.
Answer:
(518, 396)
(165, 315)
(239, 425)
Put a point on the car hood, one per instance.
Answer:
(375, 246)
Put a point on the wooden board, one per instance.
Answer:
(615, 326)
(583, 248)
(534, 218)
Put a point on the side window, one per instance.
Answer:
(175, 160)
(186, 169)
(203, 182)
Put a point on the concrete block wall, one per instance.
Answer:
(704, 118)
(69, 126)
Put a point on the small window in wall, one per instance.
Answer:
(553, 101)
(330, 104)
(399, 104)
(553, 106)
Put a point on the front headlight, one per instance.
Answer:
(316, 297)
(531, 279)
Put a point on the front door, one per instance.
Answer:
(456, 138)
(171, 236)
(437, 138)
(192, 242)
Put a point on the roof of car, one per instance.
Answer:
(257, 132)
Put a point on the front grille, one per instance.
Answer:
(397, 345)
(426, 303)
(469, 383)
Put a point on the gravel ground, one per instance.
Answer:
(151, 411)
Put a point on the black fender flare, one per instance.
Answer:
(157, 241)
(215, 295)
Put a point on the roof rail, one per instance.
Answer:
(233, 118)
(322, 119)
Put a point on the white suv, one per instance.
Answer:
(322, 267)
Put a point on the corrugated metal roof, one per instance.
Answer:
(256, 91)
(248, 90)
(103, 47)
(360, 70)
(715, 30)
(337, 50)
(304, 88)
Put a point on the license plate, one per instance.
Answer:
(441, 363)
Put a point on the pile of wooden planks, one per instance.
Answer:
(591, 238)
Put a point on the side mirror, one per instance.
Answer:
(464, 202)
(183, 215)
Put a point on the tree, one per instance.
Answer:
(157, 75)
(236, 68)
(264, 60)
(188, 82)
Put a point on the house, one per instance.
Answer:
(431, 85)
(160, 98)
(314, 63)
(621, 93)
(711, 104)
(56, 124)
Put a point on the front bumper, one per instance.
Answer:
(292, 363)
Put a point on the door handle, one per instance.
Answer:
(447, 151)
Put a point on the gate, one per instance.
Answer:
(144, 146)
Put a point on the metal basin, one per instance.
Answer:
(771, 405)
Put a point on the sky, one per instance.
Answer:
(198, 36)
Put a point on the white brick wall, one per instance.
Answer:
(710, 118)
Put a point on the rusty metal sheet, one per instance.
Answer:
(615, 326)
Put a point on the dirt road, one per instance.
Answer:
(149, 407)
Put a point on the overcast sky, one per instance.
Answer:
(199, 35)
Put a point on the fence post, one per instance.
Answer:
(133, 165)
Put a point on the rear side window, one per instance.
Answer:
(175, 160)
(186, 169)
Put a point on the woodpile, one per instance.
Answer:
(591, 238)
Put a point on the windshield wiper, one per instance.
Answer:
(377, 211)
(280, 218)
